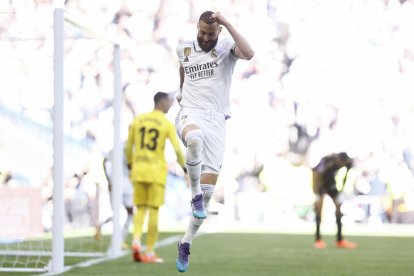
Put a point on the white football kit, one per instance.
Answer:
(205, 95)
(127, 190)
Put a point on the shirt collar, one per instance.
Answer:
(158, 111)
(197, 47)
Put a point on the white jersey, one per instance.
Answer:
(207, 75)
(126, 183)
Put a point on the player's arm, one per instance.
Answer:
(108, 179)
(344, 180)
(129, 145)
(179, 95)
(243, 50)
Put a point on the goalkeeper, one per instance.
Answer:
(145, 156)
(324, 182)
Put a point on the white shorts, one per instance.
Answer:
(213, 126)
(127, 200)
(127, 192)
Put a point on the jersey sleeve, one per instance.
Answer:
(179, 51)
(230, 46)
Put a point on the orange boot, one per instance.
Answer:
(150, 257)
(346, 244)
(320, 244)
(136, 252)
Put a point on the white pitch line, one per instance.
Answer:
(161, 243)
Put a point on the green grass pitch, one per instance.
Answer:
(267, 254)
(273, 254)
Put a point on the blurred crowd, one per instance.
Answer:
(327, 76)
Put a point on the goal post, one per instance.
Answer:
(115, 249)
(57, 262)
(58, 148)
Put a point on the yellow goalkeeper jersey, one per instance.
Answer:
(145, 147)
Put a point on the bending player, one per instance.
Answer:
(324, 182)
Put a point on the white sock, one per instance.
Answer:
(194, 173)
(208, 190)
(194, 154)
(126, 226)
(195, 223)
(192, 230)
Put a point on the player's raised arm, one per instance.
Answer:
(243, 49)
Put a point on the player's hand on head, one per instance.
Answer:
(219, 18)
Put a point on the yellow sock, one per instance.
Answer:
(152, 234)
(138, 222)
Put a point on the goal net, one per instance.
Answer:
(61, 115)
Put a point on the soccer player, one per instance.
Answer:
(126, 195)
(145, 154)
(206, 68)
(324, 182)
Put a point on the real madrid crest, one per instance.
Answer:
(214, 53)
(187, 52)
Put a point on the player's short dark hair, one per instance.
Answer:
(344, 157)
(206, 17)
(159, 96)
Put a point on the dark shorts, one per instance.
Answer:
(332, 191)
(321, 186)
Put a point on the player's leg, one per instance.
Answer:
(189, 125)
(140, 201)
(213, 158)
(184, 245)
(319, 242)
(195, 223)
(338, 217)
(98, 233)
(152, 233)
(127, 224)
(340, 241)
(139, 218)
(194, 139)
(152, 237)
(318, 193)
(156, 195)
(128, 202)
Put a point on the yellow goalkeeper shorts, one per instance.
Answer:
(149, 194)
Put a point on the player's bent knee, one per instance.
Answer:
(195, 142)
